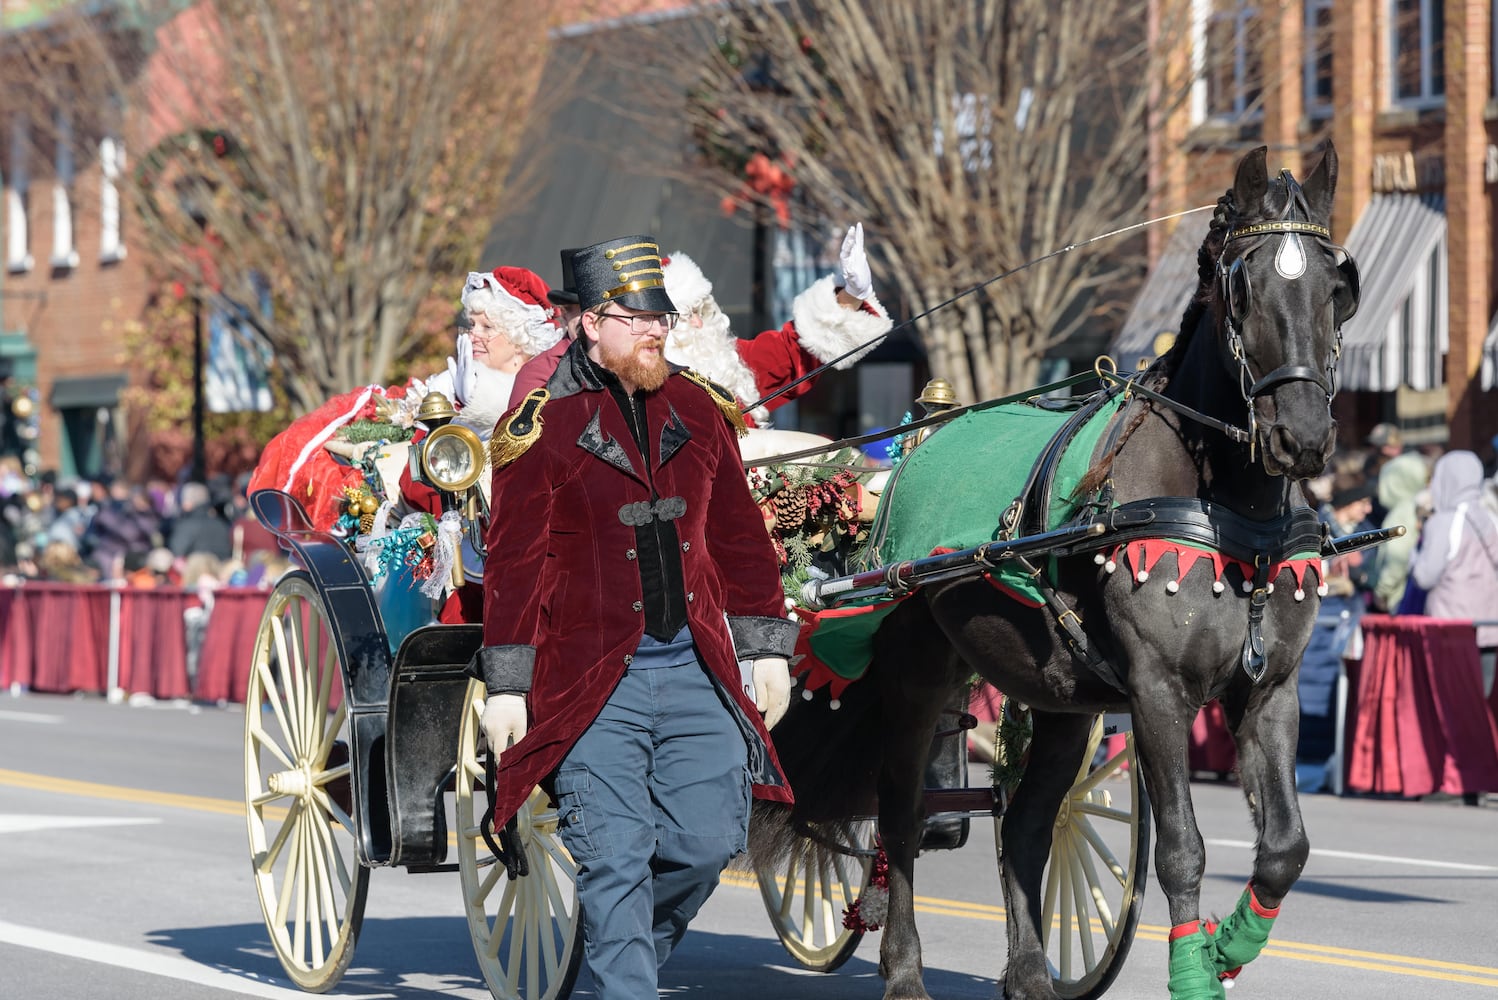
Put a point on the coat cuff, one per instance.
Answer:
(828, 330)
(755, 636)
(504, 669)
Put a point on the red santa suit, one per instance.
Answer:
(821, 329)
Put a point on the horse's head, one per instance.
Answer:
(1282, 293)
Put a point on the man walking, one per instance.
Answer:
(628, 578)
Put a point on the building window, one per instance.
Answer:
(1417, 69)
(1227, 60)
(1318, 68)
(17, 232)
(111, 166)
(64, 254)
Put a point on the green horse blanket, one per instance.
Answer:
(949, 494)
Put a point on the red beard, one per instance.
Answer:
(647, 371)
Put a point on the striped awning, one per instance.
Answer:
(1399, 335)
(1161, 301)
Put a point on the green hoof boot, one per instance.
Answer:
(1193, 976)
(1242, 936)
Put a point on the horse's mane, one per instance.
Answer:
(1160, 371)
(1224, 217)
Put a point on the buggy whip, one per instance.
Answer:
(976, 288)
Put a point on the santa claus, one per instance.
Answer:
(837, 315)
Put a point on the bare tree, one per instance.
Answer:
(344, 160)
(972, 137)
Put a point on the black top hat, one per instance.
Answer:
(626, 270)
(566, 295)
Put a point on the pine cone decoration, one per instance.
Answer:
(790, 510)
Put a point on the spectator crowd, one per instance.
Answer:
(1444, 566)
(200, 536)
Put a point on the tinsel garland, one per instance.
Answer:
(408, 545)
(871, 909)
(895, 450)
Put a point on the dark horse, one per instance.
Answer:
(1223, 427)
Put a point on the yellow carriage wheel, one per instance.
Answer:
(807, 892)
(298, 804)
(526, 931)
(1094, 881)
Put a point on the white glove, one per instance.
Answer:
(772, 688)
(503, 722)
(464, 373)
(857, 281)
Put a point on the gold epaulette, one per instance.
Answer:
(519, 432)
(725, 400)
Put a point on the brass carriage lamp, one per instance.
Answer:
(937, 397)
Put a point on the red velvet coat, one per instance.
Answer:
(561, 579)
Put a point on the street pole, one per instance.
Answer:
(199, 462)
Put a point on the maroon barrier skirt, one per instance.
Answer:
(1423, 724)
(57, 638)
(229, 644)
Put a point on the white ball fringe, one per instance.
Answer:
(1218, 586)
(1171, 586)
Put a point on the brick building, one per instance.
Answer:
(69, 280)
(1405, 90)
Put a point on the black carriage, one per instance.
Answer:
(363, 750)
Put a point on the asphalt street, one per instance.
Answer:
(125, 874)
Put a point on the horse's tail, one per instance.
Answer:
(832, 759)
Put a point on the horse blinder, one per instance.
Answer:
(1349, 292)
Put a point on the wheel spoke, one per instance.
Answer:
(264, 741)
(1104, 771)
(283, 837)
(273, 693)
(1048, 907)
(1117, 870)
(1102, 909)
(1080, 900)
(1063, 881)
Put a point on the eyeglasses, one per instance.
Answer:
(643, 323)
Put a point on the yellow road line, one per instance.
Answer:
(93, 790)
(1321, 954)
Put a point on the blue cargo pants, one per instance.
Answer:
(653, 802)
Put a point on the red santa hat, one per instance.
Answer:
(515, 299)
(686, 285)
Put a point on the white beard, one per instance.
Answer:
(712, 350)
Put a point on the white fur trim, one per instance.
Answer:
(528, 327)
(317, 440)
(828, 330)
(686, 285)
(491, 400)
(441, 381)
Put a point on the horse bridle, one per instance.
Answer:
(1235, 290)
